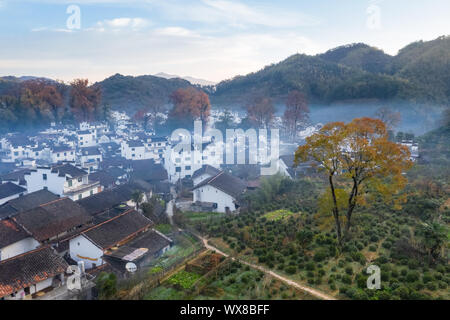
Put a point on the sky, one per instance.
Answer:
(208, 39)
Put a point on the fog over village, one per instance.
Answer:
(169, 164)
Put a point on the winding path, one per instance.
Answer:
(314, 292)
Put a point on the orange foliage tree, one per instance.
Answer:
(190, 104)
(359, 162)
(84, 100)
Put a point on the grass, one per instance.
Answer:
(184, 279)
(278, 215)
(164, 228)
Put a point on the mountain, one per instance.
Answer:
(420, 72)
(137, 92)
(321, 81)
(360, 55)
(192, 80)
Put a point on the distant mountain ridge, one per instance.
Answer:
(420, 72)
(192, 80)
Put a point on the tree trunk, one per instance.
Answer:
(336, 212)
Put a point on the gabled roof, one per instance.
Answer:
(118, 230)
(103, 201)
(90, 151)
(9, 189)
(15, 175)
(11, 232)
(29, 268)
(52, 219)
(62, 148)
(135, 144)
(104, 177)
(149, 243)
(26, 202)
(68, 169)
(148, 170)
(225, 182)
(206, 169)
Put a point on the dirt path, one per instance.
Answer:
(311, 291)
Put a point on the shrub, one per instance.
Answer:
(431, 286)
(349, 270)
(320, 255)
(412, 276)
(346, 279)
(291, 270)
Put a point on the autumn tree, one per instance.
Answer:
(390, 118)
(85, 100)
(260, 111)
(296, 112)
(360, 163)
(190, 104)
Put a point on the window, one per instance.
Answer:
(92, 192)
(65, 154)
(178, 169)
(44, 176)
(80, 196)
(69, 182)
(188, 167)
(57, 155)
(80, 179)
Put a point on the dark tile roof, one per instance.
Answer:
(148, 170)
(62, 148)
(27, 202)
(151, 241)
(226, 183)
(104, 201)
(30, 268)
(15, 175)
(288, 160)
(158, 139)
(9, 189)
(52, 219)
(90, 151)
(104, 177)
(135, 144)
(206, 169)
(68, 169)
(6, 167)
(118, 229)
(11, 232)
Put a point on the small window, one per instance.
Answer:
(44, 176)
(69, 182)
(188, 167)
(80, 196)
(178, 169)
(92, 192)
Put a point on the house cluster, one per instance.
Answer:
(66, 198)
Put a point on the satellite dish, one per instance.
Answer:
(131, 267)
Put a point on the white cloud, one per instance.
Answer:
(123, 23)
(235, 13)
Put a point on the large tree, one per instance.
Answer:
(84, 100)
(260, 111)
(390, 118)
(359, 162)
(190, 104)
(296, 112)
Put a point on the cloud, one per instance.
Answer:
(234, 13)
(134, 23)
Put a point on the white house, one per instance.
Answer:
(87, 138)
(204, 173)
(90, 158)
(183, 164)
(92, 244)
(63, 153)
(64, 180)
(222, 191)
(24, 275)
(14, 240)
